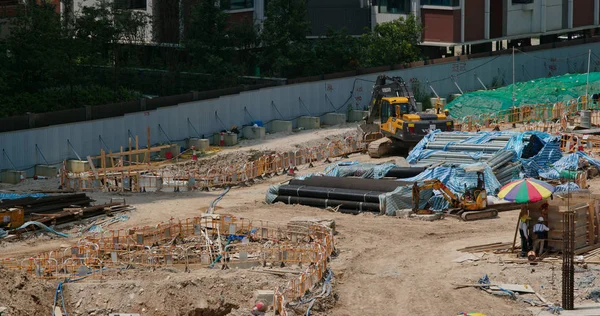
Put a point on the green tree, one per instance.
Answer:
(337, 51)
(101, 31)
(285, 48)
(393, 42)
(36, 49)
(207, 39)
(245, 38)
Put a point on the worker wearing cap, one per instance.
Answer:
(524, 232)
(541, 231)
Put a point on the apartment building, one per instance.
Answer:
(478, 24)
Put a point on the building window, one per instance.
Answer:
(521, 1)
(394, 6)
(236, 4)
(130, 4)
(445, 3)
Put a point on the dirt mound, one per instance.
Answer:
(24, 295)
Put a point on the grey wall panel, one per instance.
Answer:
(342, 93)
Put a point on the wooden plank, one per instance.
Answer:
(521, 288)
(480, 246)
(133, 152)
(591, 220)
(89, 159)
(586, 249)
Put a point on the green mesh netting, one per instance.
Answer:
(539, 91)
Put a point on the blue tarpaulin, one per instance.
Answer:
(14, 196)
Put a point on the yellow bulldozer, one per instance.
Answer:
(393, 123)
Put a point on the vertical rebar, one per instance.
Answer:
(568, 271)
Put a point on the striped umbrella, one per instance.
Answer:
(526, 191)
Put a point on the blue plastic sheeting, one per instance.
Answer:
(355, 169)
(545, 157)
(455, 178)
(567, 187)
(570, 163)
(14, 196)
(419, 149)
(515, 143)
(39, 225)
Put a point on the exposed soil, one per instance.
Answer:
(386, 265)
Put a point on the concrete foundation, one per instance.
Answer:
(173, 149)
(199, 144)
(228, 139)
(309, 122)
(12, 176)
(251, 132)
(334, 119)
(356, 115)
(231, 139)
(78, 166)
(46, 171)
(277, 126)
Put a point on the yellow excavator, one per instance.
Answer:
(393, 123)
(471, 206)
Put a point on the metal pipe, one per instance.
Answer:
(324, 203)
(330, 193)
(404, 172)
(351, 183)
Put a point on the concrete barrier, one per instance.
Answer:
(173, 149)
(46, 171)
(309, 122)
(228, 139)
(199, 144)
(356, 115)
(251, 132)
(334, 119)
(12, 176)
(277, 126)
(78, 166)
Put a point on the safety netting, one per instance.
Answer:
(539, 91)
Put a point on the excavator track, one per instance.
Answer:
(475, 215)
(379, 148)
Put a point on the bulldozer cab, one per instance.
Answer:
(394, 107)
(475, 198)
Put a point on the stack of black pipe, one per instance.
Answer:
(353, 195)
(47, 204)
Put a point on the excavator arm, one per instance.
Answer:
(435, 185)
(389, 87)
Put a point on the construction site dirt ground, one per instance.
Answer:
(385, 265)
